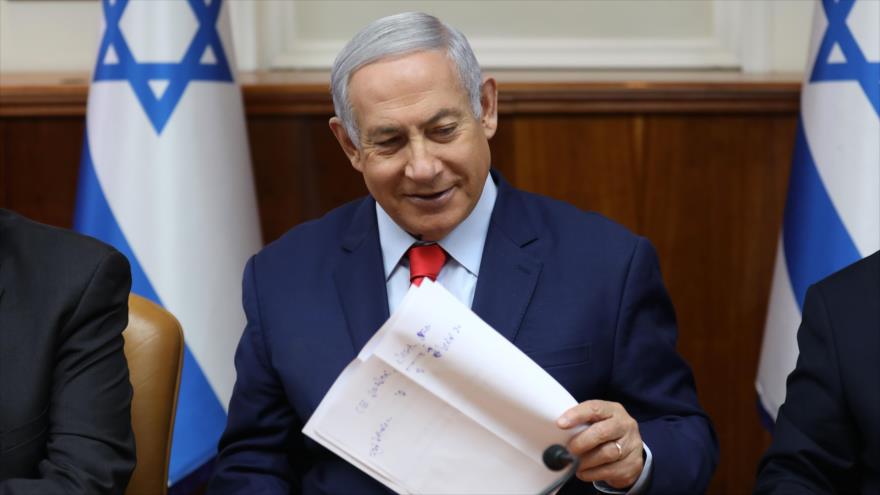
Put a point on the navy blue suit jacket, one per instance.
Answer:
(577, 293)
(827, 434)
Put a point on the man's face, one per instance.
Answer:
(423, 154)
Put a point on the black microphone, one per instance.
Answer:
(556, 457)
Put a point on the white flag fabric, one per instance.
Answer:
(166, 178)
(832, 212)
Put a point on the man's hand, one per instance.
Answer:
(610, 449)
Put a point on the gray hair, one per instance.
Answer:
(395, 35)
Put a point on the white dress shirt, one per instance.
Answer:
(464, 247)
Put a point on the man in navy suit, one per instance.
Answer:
(827, 434)
(577, 293)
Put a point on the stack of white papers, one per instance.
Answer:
(439, 402)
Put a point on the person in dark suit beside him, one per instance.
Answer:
(576, 292)
(65, 396)
(827, 434)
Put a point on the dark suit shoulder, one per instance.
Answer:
(569, 225)
(825, 438)
(853, 288)
(846, 305)
(35, 245)
(50, 267)
(310, 250)
(568, 214)
(314, 236)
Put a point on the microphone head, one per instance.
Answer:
(556, 457)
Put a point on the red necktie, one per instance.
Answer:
(425, 261)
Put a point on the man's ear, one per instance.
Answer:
(489, 105)
(351, 151)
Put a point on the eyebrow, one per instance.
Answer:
(382, 131)
(442, 114)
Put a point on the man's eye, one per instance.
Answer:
(389, 143)
(445, 131)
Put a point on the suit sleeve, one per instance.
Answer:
(254, 452)
(655, 384)
(90, 448)
(814, 441)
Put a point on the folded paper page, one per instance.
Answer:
(439, 402)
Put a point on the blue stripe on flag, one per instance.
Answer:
(200, 417)
(815, 239)
(199, 423)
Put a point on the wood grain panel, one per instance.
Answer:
(589, 161)
(297, 93)
(715, 189)
(299, 171)
(39, 164)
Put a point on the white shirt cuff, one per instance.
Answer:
(641, 484)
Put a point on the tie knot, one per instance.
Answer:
(425, 261)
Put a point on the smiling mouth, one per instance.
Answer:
(432, 202)
(430, 196)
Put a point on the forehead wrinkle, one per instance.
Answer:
(386, 108)
(388, 96)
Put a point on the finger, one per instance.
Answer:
(620, 474)
(606, 453)
(621, 427)
(597, 434)
(590, 411)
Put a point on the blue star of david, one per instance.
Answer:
(177, 74)
(857, 67)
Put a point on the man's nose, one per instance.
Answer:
(423, 164)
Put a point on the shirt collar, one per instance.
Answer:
(464, 244)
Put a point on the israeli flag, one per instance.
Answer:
(832, 213)
(166, 178)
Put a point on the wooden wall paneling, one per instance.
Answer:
(299, 169)
(503, 147)
(715, 192)
(586, 160)
(275, 178)
(41, 165)
(332, 175)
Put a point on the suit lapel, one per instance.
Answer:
(507, 279)
(508, 273)
(360, 277)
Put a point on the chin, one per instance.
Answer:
(432, 234)
(434, 230)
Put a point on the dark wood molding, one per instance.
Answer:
(520, 92)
